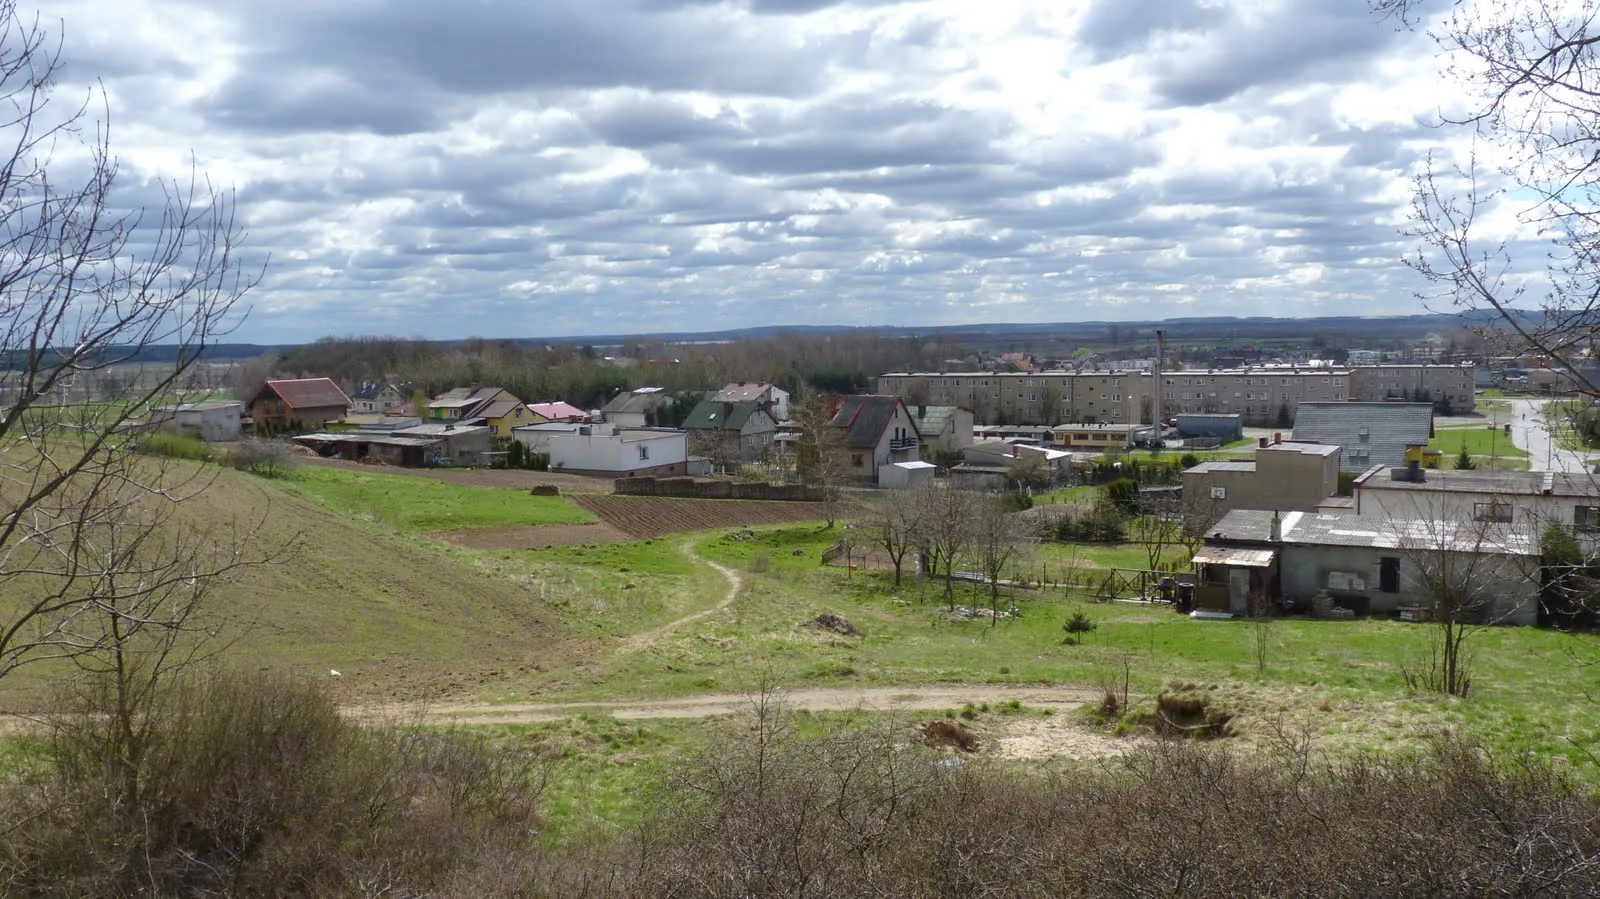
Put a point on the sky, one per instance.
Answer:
(548, 168)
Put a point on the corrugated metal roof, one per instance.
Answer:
(1312, 529)
(1245, 558)
(1368, 433)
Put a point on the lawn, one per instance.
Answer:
(422, 504)
(1489, 447)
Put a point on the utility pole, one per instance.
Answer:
(1161, 351)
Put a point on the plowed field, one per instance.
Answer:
(654, 516)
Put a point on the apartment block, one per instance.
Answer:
(1265, 396)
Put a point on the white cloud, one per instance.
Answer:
(539, 169)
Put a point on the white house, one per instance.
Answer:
(1525, 500)
(774, 398)
(209, 421)
(606, 451)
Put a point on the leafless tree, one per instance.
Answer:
(1159, 526)
(820, 452)
(891, 523)
(1528, 70)
(89, 552)
(996, 536)
(1466, 574)
(943, 531)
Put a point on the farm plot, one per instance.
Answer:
(655, 516)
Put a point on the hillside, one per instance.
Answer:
(397, 618)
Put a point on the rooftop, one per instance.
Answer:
(1513, 483)
(1312, 529)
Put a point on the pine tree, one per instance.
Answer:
(1464, 461)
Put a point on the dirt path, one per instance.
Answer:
(735, 584)
(912, 698)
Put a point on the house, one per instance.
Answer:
(1100, 437)
(878, 431)
(209, 421)
(942, 430)
(1284, 476)
(1530, 500)
(729, 431)
(375, 397)
(987, 464)
(605, 450)
(503, 415)
(557, 411)
(296, 404)
(636, 408)
(536, 437)
(1368, 433)
(402, 441)
(1365, 564)
(773, 397)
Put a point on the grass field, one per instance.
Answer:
(1487, 447)
(421, 504)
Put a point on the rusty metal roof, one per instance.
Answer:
(1244, 558)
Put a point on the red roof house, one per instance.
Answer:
(300, 404)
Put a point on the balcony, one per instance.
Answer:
(901, 444)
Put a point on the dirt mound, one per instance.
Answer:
(545, 490)
(1190, 715)
(831, 622)
(942, 733)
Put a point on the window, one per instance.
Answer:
(644, 453)
(1116, 398)
(1219, 493)
(1389, 574)
(1494, 510)
(1586, 518)
(855, 459)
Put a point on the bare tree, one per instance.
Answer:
(996, 536)
(85, 552)
(891, 522)
(1466, 575)
(1158, 526)
(943, 531)
(820, 452)
(1528, 71)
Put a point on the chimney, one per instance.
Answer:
(1277, 437)
(1013, 450)
(1277, 527)
(1415, 470)
(1263, 442)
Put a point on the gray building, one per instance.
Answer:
(212, 422)
(1366, 564)
(1369, 433)
(1226, 428)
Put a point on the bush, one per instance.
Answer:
(516, 454)
(538, 461)
(252, 785)
(1076, 626)
(1017, 501)
(1189, 460)
(1100, 523)
(267, 458)
(175, 445)
(1124, 494)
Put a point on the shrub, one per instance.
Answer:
(267, 458)
(1124, 494)
(175, 445)
(1076, 626)
(1018, 501)
(516, 454)
(1189, 460)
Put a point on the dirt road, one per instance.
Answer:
(735, 584)
(911, 698)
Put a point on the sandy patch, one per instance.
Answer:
(1060, 737)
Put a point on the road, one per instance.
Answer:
(1529, 432)
(908, 698)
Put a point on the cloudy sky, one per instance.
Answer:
(452, 168)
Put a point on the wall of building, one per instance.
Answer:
(1261, 395)
(1306, 570)
(610, 453)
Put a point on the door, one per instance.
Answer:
(1389, 574)
(1239, 590)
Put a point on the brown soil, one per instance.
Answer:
(482, 477)
(947, 734)
(656, 516)
(533, 536)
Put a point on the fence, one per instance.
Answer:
(697, 489)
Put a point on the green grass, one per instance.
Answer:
(410, 503)
(1489, 447)
(1529, 689)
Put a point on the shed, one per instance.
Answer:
(1226, 428)
(906, 474)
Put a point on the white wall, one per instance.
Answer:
(611, 452)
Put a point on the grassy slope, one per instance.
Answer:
(397, 617)
(421, 504)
